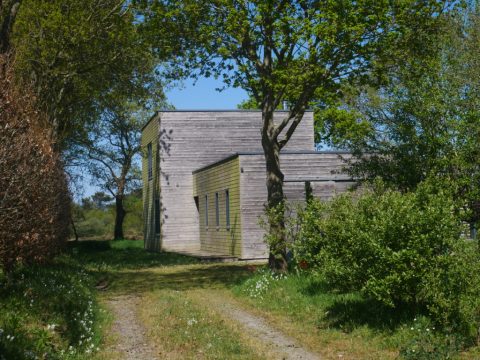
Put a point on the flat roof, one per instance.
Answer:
(291, 152)
(209, 111)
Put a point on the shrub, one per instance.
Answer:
(398, 249)
(381, 242)
(451, 290)
(34, 198)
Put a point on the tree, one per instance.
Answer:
(8, 14)
(300, 50)
(34, 201)
(73, 53)
(100, 199)
(425, 123)
(109, 154)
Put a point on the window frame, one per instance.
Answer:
(150, 161)
(217, 211)
(227, 209)
(206, 211)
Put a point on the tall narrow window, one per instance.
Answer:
(206, 211)
(150, 161)
(157, 215)
(217, 212)
(227, 209)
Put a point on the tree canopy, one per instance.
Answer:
(424, 122)
(75, 54)
(297, 51)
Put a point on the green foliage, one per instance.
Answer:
(249, 104)
(399, 249)
(424, 122)
(97, 220)
(451, 290)
(81, 57)
(427, 344)
(48, 312)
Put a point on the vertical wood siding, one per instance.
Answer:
(217, 179)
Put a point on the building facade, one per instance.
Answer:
(204, 179)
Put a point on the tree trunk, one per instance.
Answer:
(74, 228)
(9, 9)
(119, 217)
(277, 258)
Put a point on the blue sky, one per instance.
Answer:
(201, 96)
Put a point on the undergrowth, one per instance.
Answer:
(49, 312)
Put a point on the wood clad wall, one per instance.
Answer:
(191, 140)
(150, 186)
(253, 191)
(217, 179)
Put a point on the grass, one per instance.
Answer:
(54, 312)
(187, 328)
(170, 287)
(122, 255)
(49, 312)
(342, 325)
(45, 310)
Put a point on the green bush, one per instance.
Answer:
(451, 290)
(397, 249)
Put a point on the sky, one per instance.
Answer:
(201, 96)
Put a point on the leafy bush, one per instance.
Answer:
(34, 197)
(451, 290)
(397, 249)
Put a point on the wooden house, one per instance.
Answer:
(204, 180)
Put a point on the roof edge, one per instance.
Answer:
(209, 111)
(249, 153)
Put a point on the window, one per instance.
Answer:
(227, 209)
(157, 216)
(150, 162)
(206, 211)
(217, 212)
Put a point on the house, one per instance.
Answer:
(204, 180)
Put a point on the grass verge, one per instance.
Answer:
(343, 326)
(49, 312)
(55, 312)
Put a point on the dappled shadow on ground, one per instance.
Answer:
(349, 310)
(129, 269)
(178, 278)
(123, 254)
(348, 314)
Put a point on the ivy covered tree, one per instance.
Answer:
(300, 50)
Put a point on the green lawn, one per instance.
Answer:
(57, 310)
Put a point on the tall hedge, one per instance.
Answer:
(34, 197)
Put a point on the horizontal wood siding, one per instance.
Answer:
(150, 186)
(298, 167)
(220, 240)
(191, 140)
